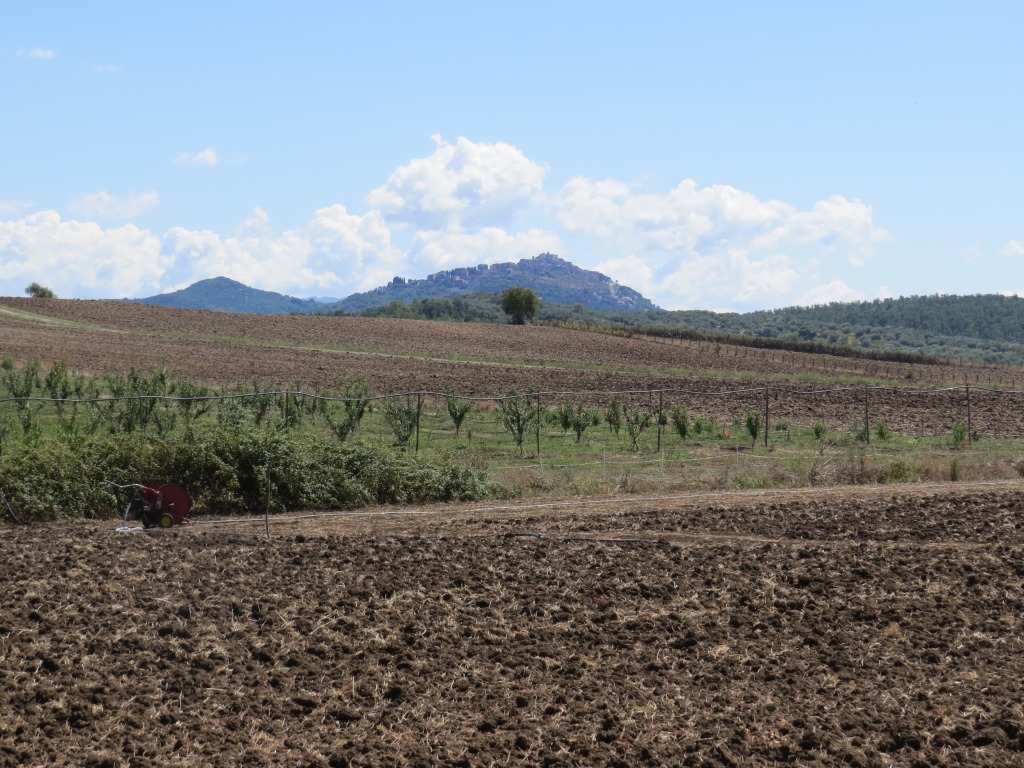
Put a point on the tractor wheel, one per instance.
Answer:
(166, 521)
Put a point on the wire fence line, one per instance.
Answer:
(981, 410)
(278, 429)
(528, 394)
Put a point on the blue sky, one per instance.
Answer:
(711, 155)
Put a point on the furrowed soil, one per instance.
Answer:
(868, 626)
(487, 360)
(876, 625)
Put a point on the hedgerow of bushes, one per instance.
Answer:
(227, 470)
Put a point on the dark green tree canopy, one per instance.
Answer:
(37, 291)
(520, 304)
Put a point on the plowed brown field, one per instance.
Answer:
(486, 360)
(861, 627)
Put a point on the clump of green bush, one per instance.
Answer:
(229, 470)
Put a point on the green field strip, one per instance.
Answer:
(31, 317)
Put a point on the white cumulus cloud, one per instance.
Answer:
(633, 272)
(274, 263)
(732, 275)
(682, 218)
(829, 221)
(711, 245)
(357, 248)
(690, 215)
(335, 252)
(835, 290)
(460, 184)
(78, 258)
(103, 205)
(37, 53)
(434, 250)
(466, 203)
(207, 157)
(1013, 250)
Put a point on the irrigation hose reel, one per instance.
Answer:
(160, 505)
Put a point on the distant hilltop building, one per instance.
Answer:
(553, 279)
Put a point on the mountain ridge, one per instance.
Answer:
(552, 278)
(222, 294)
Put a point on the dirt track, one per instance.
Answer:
(874, 626)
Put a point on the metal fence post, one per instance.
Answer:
(766, 388)
(266, 512)
(867, 419)
(661, 416)
(538, 426)
(419, 407)
(967, 389)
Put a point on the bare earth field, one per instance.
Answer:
(871, 626)
(434, 340)
(866, 626)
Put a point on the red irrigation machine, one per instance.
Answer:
(162, 505)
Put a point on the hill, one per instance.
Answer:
(553, 279)
(985, 328)
(222, 294)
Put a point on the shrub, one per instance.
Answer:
(228, 470)
(21, 386)
(637, 420)
(515, 416)
(705, 426)
(576, 417)
(257, 399)
(959, 436)
(562, 415)
(613, 416)
(458, 409)
(402, 418)
(898, 471)
(344, 418)
(753, 425)
(680, 421)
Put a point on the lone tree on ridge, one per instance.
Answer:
(37, 291)
(520, 304)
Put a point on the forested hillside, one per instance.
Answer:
(222, 294)
(989, 316)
